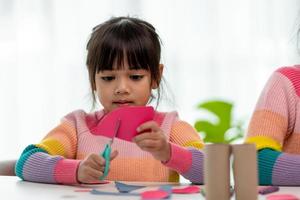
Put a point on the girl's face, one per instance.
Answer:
(124, 87)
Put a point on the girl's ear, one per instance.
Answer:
(156, 84)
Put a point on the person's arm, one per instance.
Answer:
(187, 158)
(272, 122)
(7, 167)
(52, 160)
(277, 168)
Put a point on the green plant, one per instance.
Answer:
(224, 130)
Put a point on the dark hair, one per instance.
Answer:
(124, 38)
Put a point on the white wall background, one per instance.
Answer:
(211, 49)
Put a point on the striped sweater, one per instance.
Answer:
(275, 129)
(56, 158)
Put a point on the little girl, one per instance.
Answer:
(124, 68)
(275, 128)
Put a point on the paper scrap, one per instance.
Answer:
(154, 194)
(98, 192)
(267, 189)
(282, 197)
(187, 190)
(125, 188)
(168, 189)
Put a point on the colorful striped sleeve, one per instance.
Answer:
(52, 160)
(186, 155)
(272, 121)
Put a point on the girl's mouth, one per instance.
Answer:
(123, 103)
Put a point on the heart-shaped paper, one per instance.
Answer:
(130, 118)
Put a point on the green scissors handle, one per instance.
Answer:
(106, 155)
(107, 151)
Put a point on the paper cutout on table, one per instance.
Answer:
(164, 192)
(154, 194)
(267, 189)
(168, 189)
(125, 188)
(282, 197)
(130, 116)
(98, 192)
(186, 190)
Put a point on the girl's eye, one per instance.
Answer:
(136, 77)
(107, 78)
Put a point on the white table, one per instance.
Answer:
(13, 188)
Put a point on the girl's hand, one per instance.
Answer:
(153, 140)
(91, 168)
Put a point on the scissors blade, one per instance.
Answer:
(107, 151)
(117, 126)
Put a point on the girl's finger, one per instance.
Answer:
(150, 125)
(97, 167)
(149, 149)
(114, 154)
(95, 162)
(146, 136)
(147, 143)
(99, 160)
(94, 174)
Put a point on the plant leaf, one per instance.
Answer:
(221, 109)
(215, 132)
(212, 133)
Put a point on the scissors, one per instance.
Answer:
(107, 151)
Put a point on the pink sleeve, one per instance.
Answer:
(181, 158)
(65, 171)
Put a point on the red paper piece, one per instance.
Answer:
(130, 116)
(186, 190)
(154, 194)
(282, 197)
(267, 189)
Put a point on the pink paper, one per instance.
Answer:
(186, 190)
(282, 197)
(154, 194)
(130, 118)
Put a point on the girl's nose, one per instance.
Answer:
(122, 87)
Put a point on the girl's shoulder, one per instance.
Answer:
(80, 115)
(288, 75)
(289, 71)
(166, 117)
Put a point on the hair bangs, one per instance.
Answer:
(137, 55)
(125, 46)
